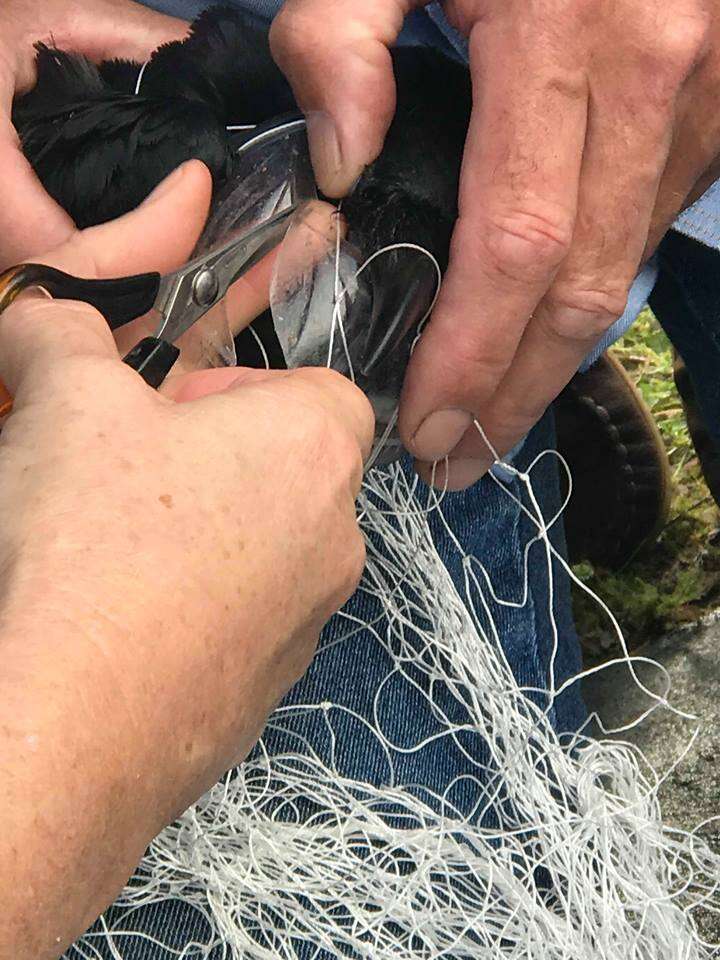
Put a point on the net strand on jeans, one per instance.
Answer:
(564, 853)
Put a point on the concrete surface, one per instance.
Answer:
(691, 793)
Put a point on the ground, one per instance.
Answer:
(667, 601)
(690, 794)
(676, 578)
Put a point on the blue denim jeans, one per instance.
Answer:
(348, 668)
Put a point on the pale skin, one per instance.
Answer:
(166, 563)
(594, 123)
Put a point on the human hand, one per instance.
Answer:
(30, 221)
(593, 124)
(166, 568)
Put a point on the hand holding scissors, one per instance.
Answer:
(180, 298)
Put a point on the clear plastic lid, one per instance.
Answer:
(333, 304)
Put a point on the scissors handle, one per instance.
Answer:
(119, 301)
(153, 359)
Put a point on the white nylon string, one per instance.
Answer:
(138, 84)
(140, 76)
(563, 853)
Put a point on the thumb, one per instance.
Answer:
(140, 30)
(337, 61)
(206, 383)
(37, 332)
(124, 29)
(158, 235)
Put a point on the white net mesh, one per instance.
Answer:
(561, 851)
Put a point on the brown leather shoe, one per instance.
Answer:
(620, 470)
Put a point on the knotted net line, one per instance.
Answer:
(562, 855)
(539, 846)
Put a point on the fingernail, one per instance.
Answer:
(464, 473)
(440, 433)
(326, 155)
(460, 473)
(166, 185)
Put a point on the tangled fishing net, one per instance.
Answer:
(562, 854)
(538, 845)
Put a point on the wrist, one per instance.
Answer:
(92, 683)
(146, 673)
(76, 799)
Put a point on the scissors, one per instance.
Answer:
(181, 298)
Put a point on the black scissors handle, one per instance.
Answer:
(119, 301)
(153, 359)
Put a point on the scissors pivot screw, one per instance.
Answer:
(205, 288)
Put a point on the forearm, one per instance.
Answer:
(83, 786)
(118, 708)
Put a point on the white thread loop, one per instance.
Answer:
(540, 846)
(140, 76)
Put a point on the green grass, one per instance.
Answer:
(676, 578)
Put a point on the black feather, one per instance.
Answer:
(226, 64)
(120, 75)
(99, 149)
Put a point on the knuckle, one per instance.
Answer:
(327, 440)
(320, 377)
(307, 399)
(317, 426)
(358, 558)
(353, 564)
(346, 455)
(583, 314)
(464, 358)
(682, 42)
(523, 245)
(338, 396)
(366, 413)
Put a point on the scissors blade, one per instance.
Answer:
(187, 294)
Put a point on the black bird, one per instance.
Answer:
(99, 148)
